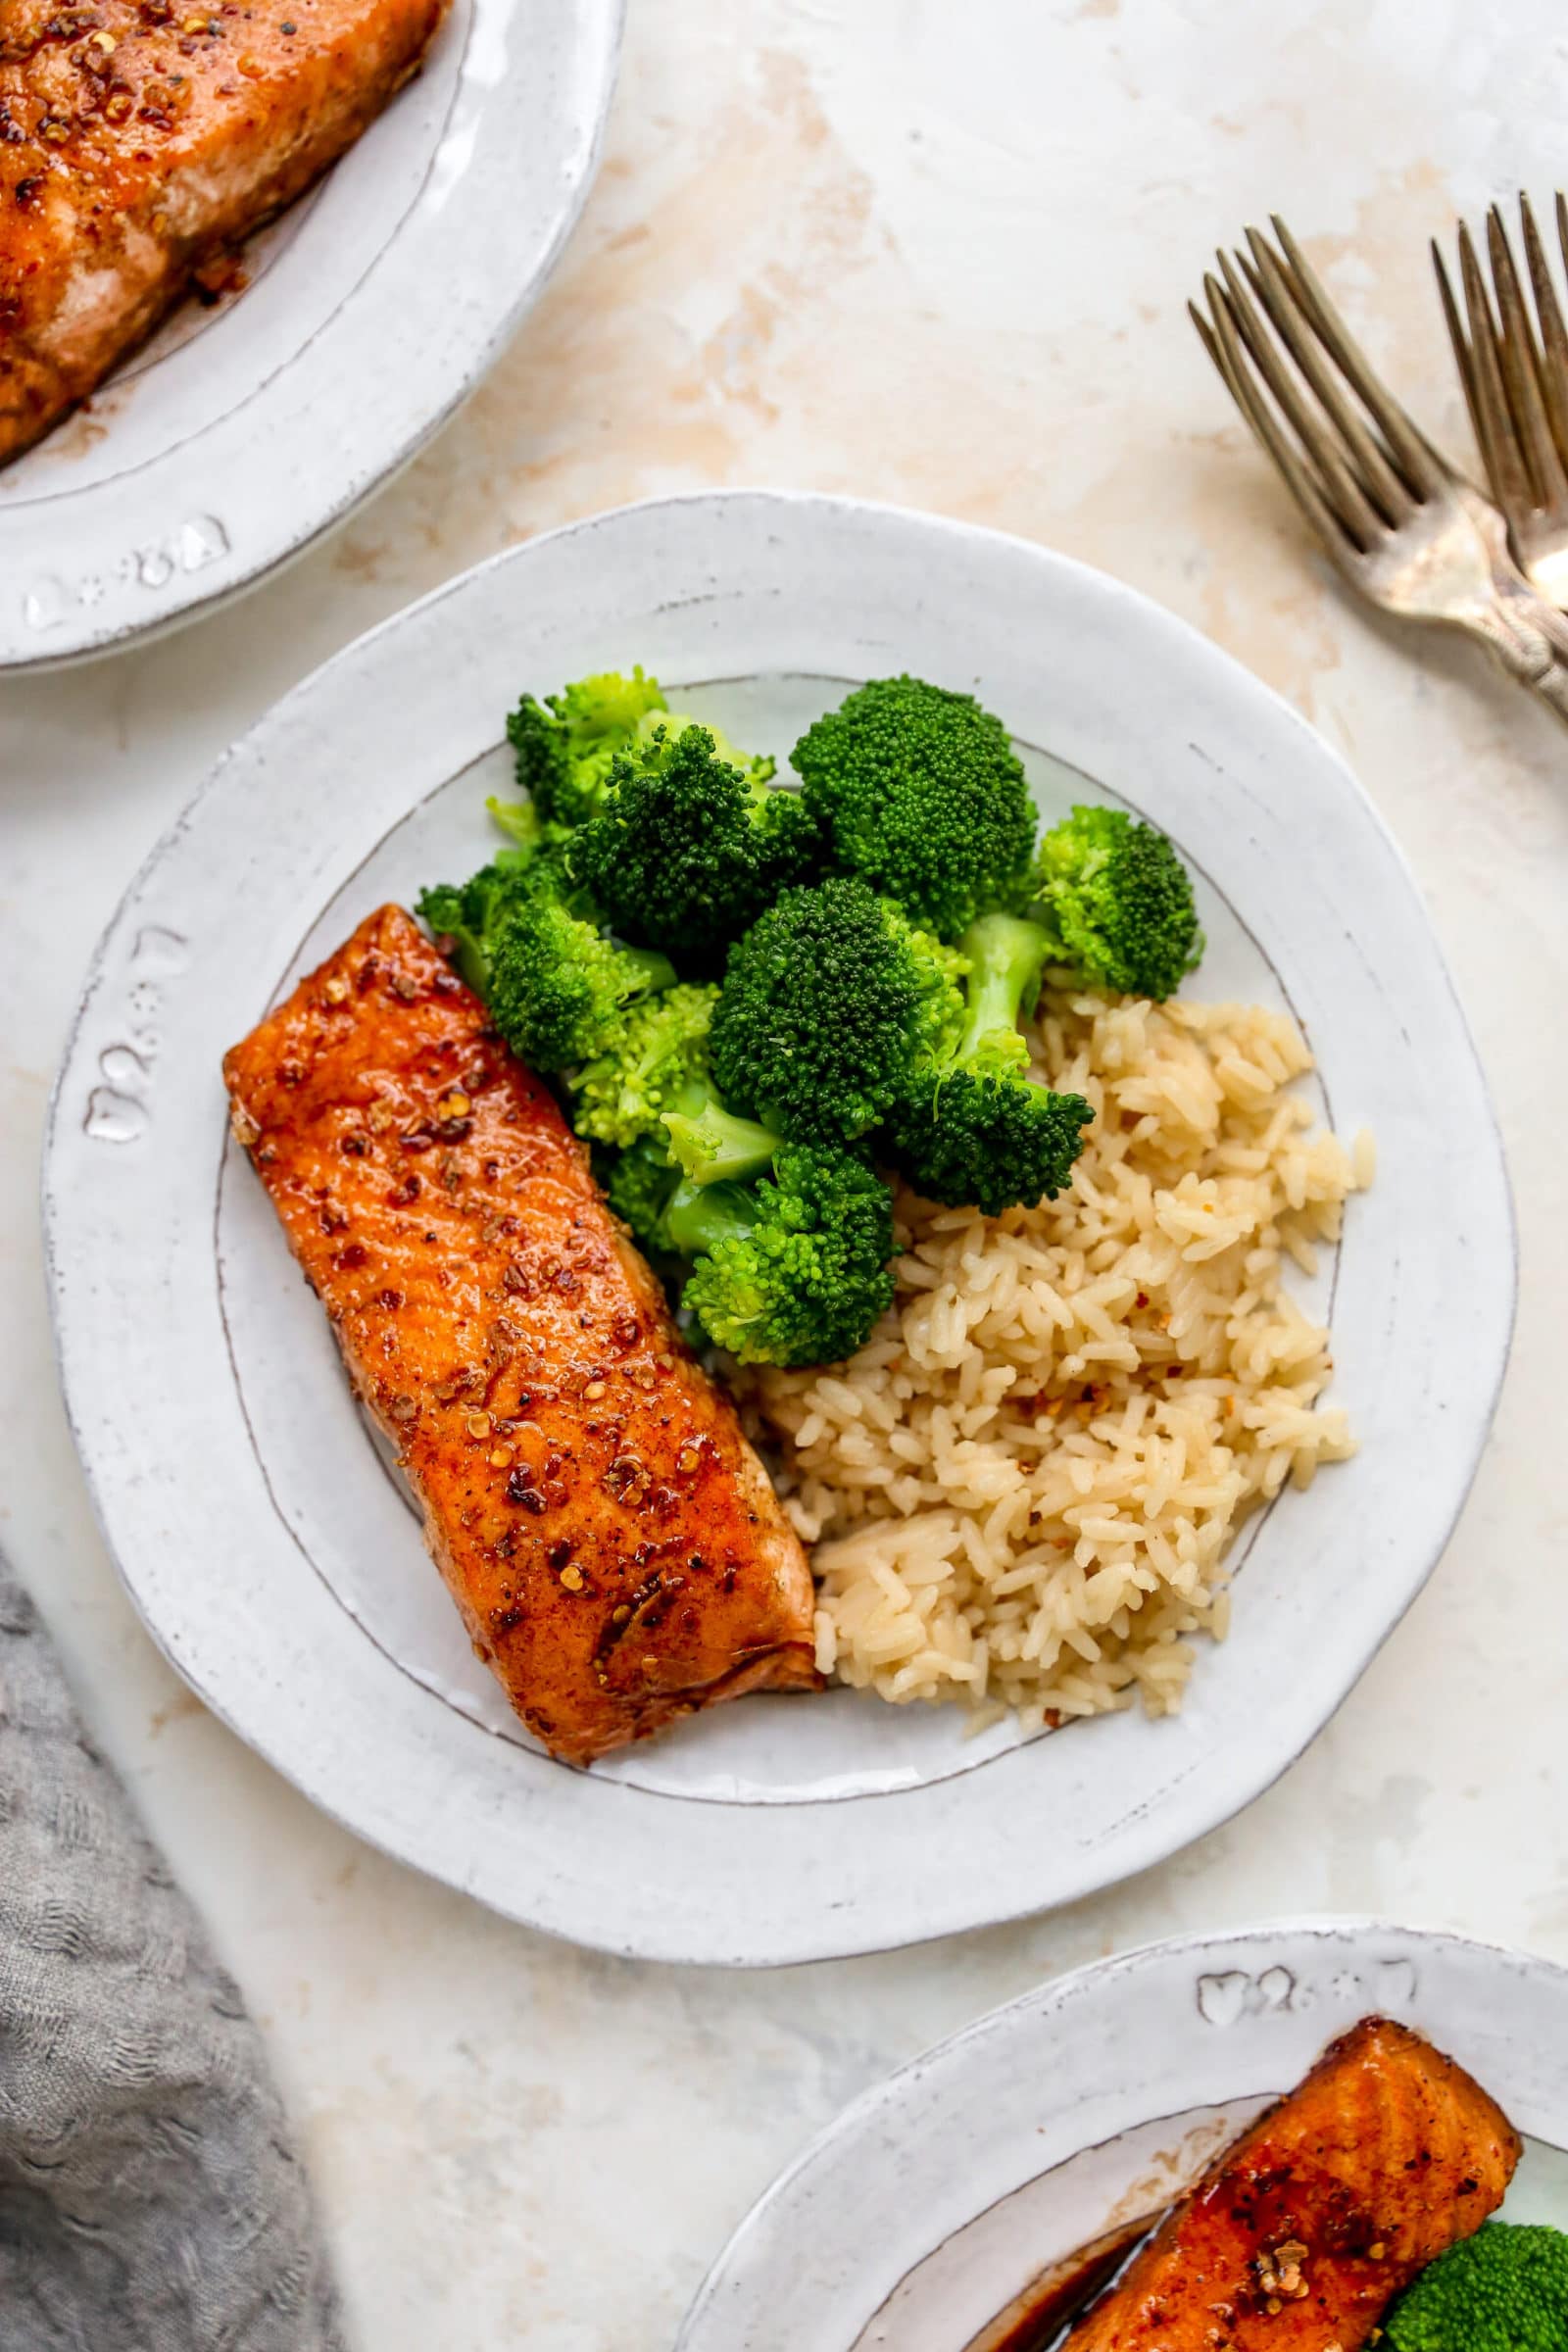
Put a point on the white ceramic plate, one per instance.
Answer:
(276, 1558)
(242, 432)
(938, 2196)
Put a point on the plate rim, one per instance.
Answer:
(1156, 1957)
(597, 33)
(1093, 1869)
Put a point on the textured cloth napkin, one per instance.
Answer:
(150, 2200)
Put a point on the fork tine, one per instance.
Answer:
(1378, 477)
(1412, 452)
(1464, 357)
(1500, 449)
(1554, 333)
(1345, 494)
(1521, 368)
(1224, 348)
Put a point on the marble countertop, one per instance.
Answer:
(940, 256)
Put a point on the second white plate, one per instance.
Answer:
(373, 306)
(273, 1555)
(936, 2200)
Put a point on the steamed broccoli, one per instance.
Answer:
(792, 1268)
(920, 793)
(757, 767)
(638, 1184)
(791, 1242)
(558, 986)
(1117, 903)
(464, 914)
(977, 1129)
(531, 942)
(1504, 2290)
(832, 1004)
(657, 1054)
(461, 915)
(690, 841)
(712, 1146)
(525, 829)
(565, 744)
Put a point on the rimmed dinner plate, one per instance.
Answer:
(371, 308)
(275, 1555)
(935, 2199)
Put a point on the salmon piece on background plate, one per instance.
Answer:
(141, 141)
(1301, 2236)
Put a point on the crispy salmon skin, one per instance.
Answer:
(1303, 2233)
(141, 141)
(612, 1541)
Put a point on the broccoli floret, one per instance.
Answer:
(712, 1146)
(832, 1004)
(1117, 904)
(522, 824)
(463, 914)
(756, 768)
(978, 1130)
(454, 913)
(920, 793)
(657, 1054)
(638, 1184)
(791, 1242)
(792, 1268)
(989, 1143)
(531, 942)
(564, 746)
(1504, 2290)
(650, 1094)
(689, 845)
(558, 987)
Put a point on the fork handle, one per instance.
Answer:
(1528, 637)
(1553, 690)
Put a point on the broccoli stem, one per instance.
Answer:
(1006, 956)
(714, 1146)
(651, 972)
(473, 965)
(520, 820)
(700, 1214)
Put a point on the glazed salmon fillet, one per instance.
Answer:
(614, 1545)
(141, 141)
(1303, 2233)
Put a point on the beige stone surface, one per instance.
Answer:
(935, 254)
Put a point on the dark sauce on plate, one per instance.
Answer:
(1035, 2321)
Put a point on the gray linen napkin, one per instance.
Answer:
(150, 2200)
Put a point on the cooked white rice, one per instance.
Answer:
(1022, 1489)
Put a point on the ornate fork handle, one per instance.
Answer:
(1528, 636)
(1513, 632)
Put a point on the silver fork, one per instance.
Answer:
(1515, 376)
(1405, 528)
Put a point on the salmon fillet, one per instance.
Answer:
(613, 1544)
(1303, 2233)
(141, 140)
